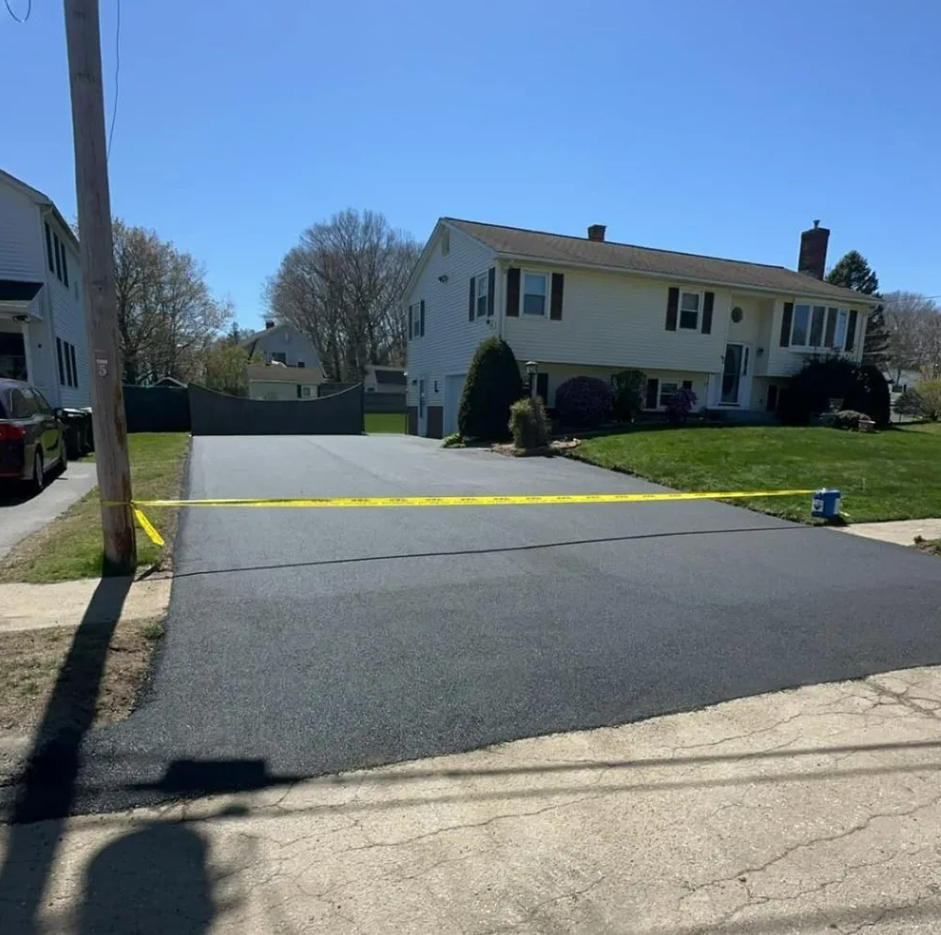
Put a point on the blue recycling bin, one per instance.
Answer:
(825, 504)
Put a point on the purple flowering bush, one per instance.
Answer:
(680, 404)
(583, 401)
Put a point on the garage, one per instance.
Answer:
(453, 388)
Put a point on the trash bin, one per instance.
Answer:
(825, 504)
(78, 436)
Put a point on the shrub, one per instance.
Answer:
(453, 440)
(834, 378)
(528, 423)
(680, 404)
(583, 401)
(628, 388)
(493, 384)
(844, 419)
(925, 398)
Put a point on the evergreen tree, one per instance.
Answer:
(853, 272)
(493, 384)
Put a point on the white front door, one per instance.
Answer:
(735, 382)
(453, 390)
(422, 409)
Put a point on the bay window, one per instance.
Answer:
(818, 327)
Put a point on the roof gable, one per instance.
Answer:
(580, 251)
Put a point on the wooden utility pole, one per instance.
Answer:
(94, 222)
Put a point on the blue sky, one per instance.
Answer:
(719, 127)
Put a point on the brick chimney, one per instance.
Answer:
(596, 232)
(813, 255)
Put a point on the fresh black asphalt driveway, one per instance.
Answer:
(320, 640)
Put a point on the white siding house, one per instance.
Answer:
(733, 332)
(42, 325)
(285, 364)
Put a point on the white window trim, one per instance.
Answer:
(818, 348)
(481, 279)
(414, 314)
(660, 407)
(679, 310)
(547, 297)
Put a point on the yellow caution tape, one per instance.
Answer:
(148, 527)
(521, 500)
(512, 500)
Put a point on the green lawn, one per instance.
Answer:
(387, 422)
(70, 546)
(892, 474)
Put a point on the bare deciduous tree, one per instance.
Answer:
(167, 317)
(913, 323)
(343, 286)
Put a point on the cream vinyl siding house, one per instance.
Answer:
(42, 324)
(585, 306)
(284, 364)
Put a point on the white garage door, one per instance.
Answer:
(453, 387)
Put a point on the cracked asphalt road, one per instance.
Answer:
(319, 641)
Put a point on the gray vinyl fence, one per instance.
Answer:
(157, 408)
(214, 413)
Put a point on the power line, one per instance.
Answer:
(117, 73)
(29, 9)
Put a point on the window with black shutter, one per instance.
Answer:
(51, 261)
(513, 292)
(673, 307)
(558, 288)
(709, 299)
(786, 321)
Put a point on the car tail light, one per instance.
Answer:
(11, 433)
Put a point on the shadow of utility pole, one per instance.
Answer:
(47, 785)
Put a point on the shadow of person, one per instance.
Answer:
(151, 882)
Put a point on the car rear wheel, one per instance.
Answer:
(38, 480)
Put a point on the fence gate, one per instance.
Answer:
(213, 413)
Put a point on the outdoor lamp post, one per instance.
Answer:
(531, 368)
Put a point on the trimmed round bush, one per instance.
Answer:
(824, 380)
(493, 384)
(583, 401)
(628, 394)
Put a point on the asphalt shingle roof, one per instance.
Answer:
(559, 248)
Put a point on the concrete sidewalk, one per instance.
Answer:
(901, 532)
(815, 811)
(21, 515)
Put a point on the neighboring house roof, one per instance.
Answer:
(394, 377)
(251, 338)
(43, 200)
(170, 381)
(519, 243)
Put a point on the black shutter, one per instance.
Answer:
(830, 332)
(688, 385)
(513, 292)
(673, 305)
(52, 265)
(653, 391)
(421, 318)
(59, 356)
(542, 386)
(772, 404)
(410, 334)
(68, 365)
(491, 289)
(558, 287)
(472, 298)
(55, 240)
(851, 330)
(709, 300)
(65, 265)
(786, 321)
